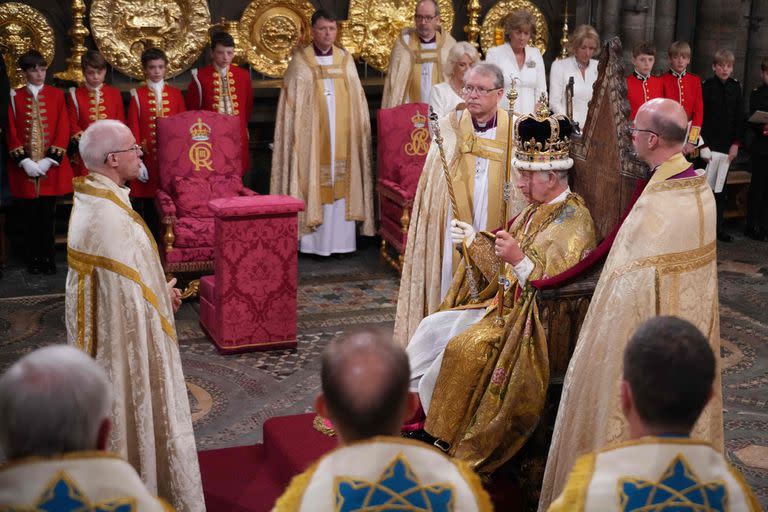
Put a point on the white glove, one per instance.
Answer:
(462, 232)
(31, 168)
(143, 173)
(46, 164)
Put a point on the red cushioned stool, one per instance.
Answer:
(250, 301)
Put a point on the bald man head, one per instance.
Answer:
(365, 379)
(659, 130)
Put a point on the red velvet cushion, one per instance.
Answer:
(191, 196)
(192, 232)
(193, 193)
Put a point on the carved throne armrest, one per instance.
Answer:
(167, 210)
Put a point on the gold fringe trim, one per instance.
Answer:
(318, 425)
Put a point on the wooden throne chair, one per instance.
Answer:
(608, 175)
(199, 160)
(403, 142)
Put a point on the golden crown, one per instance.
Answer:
(419, 120)
(543, 138)
(200, 130)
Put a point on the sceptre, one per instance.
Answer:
(438, 138)
(502, 278)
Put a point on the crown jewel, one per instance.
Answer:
(542, 140)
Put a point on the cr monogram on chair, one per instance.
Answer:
(201, 151)
(419, 143)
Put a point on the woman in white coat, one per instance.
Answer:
(520, 62)
(583, 44)
(446, 95)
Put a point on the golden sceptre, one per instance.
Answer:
(438, 138)
(502, 279)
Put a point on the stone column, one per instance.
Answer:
(664, 31)
(757, 44)
(718, 24)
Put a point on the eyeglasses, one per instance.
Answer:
(135, 148)
(471, 89)
(425, 18)
(633, 130)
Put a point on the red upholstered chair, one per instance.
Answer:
(199, 159)
(403, 142)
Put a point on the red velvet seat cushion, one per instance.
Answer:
(406, 174)
(192, 193)
(193, 232)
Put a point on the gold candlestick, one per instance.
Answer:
(472, 29)
(78, 33)
(564, 39)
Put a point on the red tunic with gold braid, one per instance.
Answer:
(83, 110)
(641, 89)
(207, 92)
(685, 88)
(38, 129)
(143, 111)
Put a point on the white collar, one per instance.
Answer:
(221, 71)
(94, 89)
(156, 86)
(563, 195)
(35, 89)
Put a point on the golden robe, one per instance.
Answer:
(298, 167)
(493, 380)
(662, 262)
(405, 63)
(420, 281)
(118, 310)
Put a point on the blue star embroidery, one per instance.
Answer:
(679, 489)
(63, 495)
(398, 488)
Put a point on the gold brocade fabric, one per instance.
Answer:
(492, 383)
(297, 158)
(118, 308)
(419, 58)
(663, 262)
(420, 280)
(402, 64)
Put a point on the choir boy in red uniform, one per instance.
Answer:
(92, 101)
(148, 103)
(223, 87)
(39, 170)
(685, 88)
(641, 84)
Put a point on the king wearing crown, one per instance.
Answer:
(322, 152)
(482, 383)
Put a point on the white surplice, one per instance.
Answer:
(118, 310)
(336, 234)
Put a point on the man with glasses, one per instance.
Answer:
(418, 59)
(475, 142)
(662, 262)
(119, 309)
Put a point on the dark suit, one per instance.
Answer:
(757, 210)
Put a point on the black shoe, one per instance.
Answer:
(425, 437)
(48, 267)
(755, 234)
(724, 237)
(33, 267)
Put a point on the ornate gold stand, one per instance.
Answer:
(564, 39)
(78, 33)
(191, 290)
(472, 29)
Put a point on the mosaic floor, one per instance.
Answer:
(231, 396)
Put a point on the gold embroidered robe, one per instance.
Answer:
(493, 380)
(420, 281)
(297, 161)
(403, 64)
(662, 262)
(118, 310)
